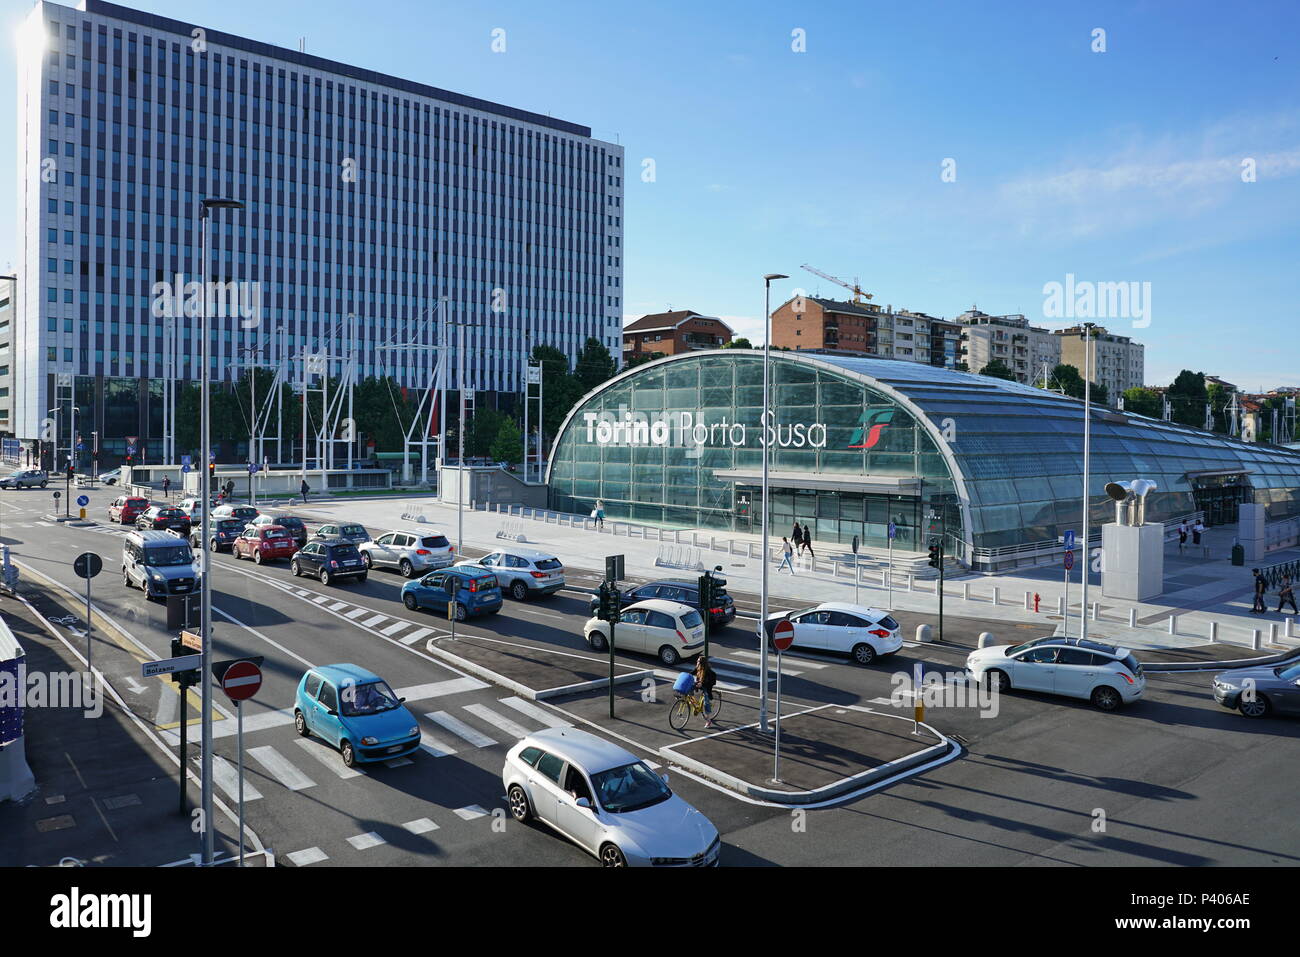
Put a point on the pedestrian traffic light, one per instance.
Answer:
(212, 474)
(936, 556)
(71, 471)
(608, 605)
(130, 459)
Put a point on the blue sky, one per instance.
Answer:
(1123, 165)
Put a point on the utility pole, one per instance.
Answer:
(767, 410)
(1087, 449)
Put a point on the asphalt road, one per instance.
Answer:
(1171, 780)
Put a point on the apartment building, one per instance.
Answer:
(6, 356)
(1024, 348)
(672, 333)
(1117, 362)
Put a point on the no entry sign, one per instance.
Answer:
(1069, 560)
(241, 680)
(783, 635)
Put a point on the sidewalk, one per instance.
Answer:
(1199, 590)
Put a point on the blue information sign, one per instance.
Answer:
(83, 500)
(252, 467)
(893, 530)
(1069, 540)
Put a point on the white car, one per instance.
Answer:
(606, 801)
(409, 551)
(669, 630)
(862, 632)
(193, 507)
(523, 571)
(111, 477)
(1076, 668)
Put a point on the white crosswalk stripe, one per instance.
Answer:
(511, 728)
(337, 605)
(279, 767)
(321, 599)
(460, 729)
(804, 662)
(671, 676)
(435, 745)
(310, 855)
(415, 636)
(363, 841)
(536, 713)
(371, 622)
(421, 826)
(394, 628)
(356, 612)
(328, 757)
(227, 777)
(470, 813)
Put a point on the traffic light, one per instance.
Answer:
(608, 607)
(936, 556)
(212, 474)
(706, 593)
(130, 459)
(71, 472)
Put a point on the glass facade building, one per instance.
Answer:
(857, 443)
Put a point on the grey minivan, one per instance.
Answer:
(159, 563)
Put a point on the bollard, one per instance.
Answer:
(1029, 601)
(995, 594)
(986, 639)
(1132, 617)
(1173, 624)
(1254, 639)
(1060, 605)
(1272, 633)
(909, 582)
(965, 591)
(923, 633)
(1287, 630)
(1214, 631)
(1093, 611)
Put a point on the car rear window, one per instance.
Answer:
(435, 541)
(137, 501)
(276, 533)
(1132, 664)
(229, 525)
(290, 522)
(487, 581)
(353, 530)
(546, 564)
(346, 551)
(692, 618)
(888, 622)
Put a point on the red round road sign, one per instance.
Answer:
(1069, 560)
(783, 635)
(241, 680)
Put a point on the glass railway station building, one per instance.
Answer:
(994, 466)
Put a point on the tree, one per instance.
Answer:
(741, 343)
(508, 444)
(1187, 397)
(594, 366)
(1066, 378)
(1142, 401)
(481, 432)
(998, 369)
(560, 390)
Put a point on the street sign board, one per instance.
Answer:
(88, 565)
(192, 641)
(893, 530)
(83, 500)
(252, 467)
(130, 449)
(186, 460)
(534, 375)
(1069, 560)
(783, 635)
(151, 669)
(241, 680)
(613, 568)
(1069, 540)
(132, 439)
(185, 469)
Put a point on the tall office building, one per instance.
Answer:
(365, 195)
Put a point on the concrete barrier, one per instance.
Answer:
(986, 639)
(923, 633)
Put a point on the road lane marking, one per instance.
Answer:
(363, 841)
(415, 636)
(438, 689)
(227, 777)
(435, 746)
(320, 599)
(328, 757)
(460, 729)
(420, 826)
(804, 660)
(337, 605)
(279, 767)
(536, 713)
(395, 628)
(516, 731)
(312, 855)
(470, 813)
(671, 676)
(356, 612)
(371, 622)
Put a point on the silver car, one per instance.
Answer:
(606, 801)
(1258, 692)
(25, 478)
(349, 532)
(523, 572)
(410, 552)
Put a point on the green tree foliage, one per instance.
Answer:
(508, 444)
(561, 390)
(481, 432)
(1066, 378)
(594, 366)
(1187, 396)
(740, 343)
(998, 370)
(1142, 401)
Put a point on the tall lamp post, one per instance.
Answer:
(767, 408)
(460, 325)
(205, 578)
(1088, 362)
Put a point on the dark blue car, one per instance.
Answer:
(473, 588)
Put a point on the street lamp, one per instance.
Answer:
(1087, 448)
(205, 578)
(762, 435)
(460, 325)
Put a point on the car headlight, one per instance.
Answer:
(156, 576)
(369, 741)
(414, 730)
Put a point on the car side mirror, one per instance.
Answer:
(664, 775)
(401, 701)
(584, 804)
(331, 712)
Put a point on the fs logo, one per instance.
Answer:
(869, 428)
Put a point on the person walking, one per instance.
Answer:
(1261, 586)
(1182, 535)
(1286, 597)
(167, 487)
(796, 536)
(303, 490)
(1197, 529)
(807, 542)
(705, 679)
(787, 554)
(599, 513)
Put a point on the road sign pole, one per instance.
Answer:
(185, 727)
(776, 757)
(89, 666)
(239, 739)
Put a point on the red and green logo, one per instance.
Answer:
(869, 428)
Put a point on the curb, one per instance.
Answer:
(531, 693)
(856, 782)
(1174, 667)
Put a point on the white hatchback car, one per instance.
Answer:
(1076, 668)
(409, 551)
(606, 801)
(523, 572)
(862, 632)
(669, 630)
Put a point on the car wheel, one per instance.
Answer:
(1105, 698)
(461, 612)
(300, 724)
(864, 654)
(611, 856)
(126, 579)
(597, 641)
(349, 756)
(406, 569)
(366, 560)
(518, 591)
(324, 577)
(43, 484)
(361, 579)
(293, 567)
(257, 557)
(409, 600)
(1257, 707)
(519, 804)
(669, 656)
(998, 681)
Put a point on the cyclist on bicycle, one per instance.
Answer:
(705, 679)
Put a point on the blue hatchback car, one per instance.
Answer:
(475, 589)
(357, 712)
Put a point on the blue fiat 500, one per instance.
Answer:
(355, 711)
(473, 588)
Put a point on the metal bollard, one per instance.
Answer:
(1060, 605)
(1029, 601)
(1093, 612)
(986, 639)
(995, 594)
(1214, 631)
(1132, 617)
(909, 582)
(923, 633)
(1254, 639)
(965, 591)
(1272, 633)
(1287, 630)
(1173, 624)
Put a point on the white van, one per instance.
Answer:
(159, 563)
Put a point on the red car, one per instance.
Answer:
(264, 543)
(127, 508)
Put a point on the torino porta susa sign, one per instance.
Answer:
(681, 428)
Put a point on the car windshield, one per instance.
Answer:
(692, 618)
(162, 556)
(629, 788)
(370, 698)
(548, 564)
(352, 530)
(434, 541)
(1028, 644)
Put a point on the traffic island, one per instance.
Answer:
(826, 751)
(531, 671)
(1209, 656)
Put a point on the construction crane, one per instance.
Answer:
(858, 294)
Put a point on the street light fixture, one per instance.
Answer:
(205, 578)
(1088, 360)
(767, 408)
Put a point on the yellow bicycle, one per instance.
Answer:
(693, 703)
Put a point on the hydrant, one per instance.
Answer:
(1036, 600)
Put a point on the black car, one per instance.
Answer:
(328, 561)
(290, 523)
(686, 591)
(164, 518)
(222, 533)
